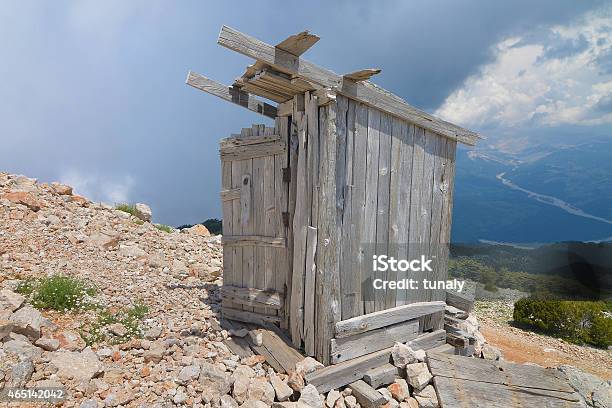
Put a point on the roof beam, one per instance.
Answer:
(230, 94)
(362, 91)
(299, 43)
(362, 75)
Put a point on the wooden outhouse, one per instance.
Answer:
(347, 169)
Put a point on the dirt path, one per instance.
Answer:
(521, 346)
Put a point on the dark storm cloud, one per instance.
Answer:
(94, 91)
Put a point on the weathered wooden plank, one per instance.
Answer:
(328, 251)
(293, 163)
(399, 201)
(286, 355)
(497, 372)
(371, 206)
(309, 290)
(269, 228)
(430, 340)
(459, 300)
(230, 94)
(382, 318)
(361, 91)
(346, 348)
(240, 141)
(339, 375)
(350, 279)
(248, 317)
(383, 375)
(258, 214)
(298, 44)
(231, 194)
(238, 346)
(444, 349)
(236, 252)
(454, 392)
(382, 211)
(245, 152)
(281, 206)
(358, 199)
(252, 297)
(362, 75)
(245, 200)
(254, 240)
(300, 223)
(415, 249)
(367, 396)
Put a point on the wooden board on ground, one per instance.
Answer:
(276, 348)
(464, 381)
(367, 396)
(453, 392)
(239, 346)
(347, 348)
(339, 375)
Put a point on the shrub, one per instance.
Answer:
(57, 292)
(165, 228)
(576, 321)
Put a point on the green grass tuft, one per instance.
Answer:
(131, 319)
(165, 228)
(57, 292)
(128, 208)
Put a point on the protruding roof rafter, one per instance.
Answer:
(231, 94)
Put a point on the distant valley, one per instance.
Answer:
(556, 190)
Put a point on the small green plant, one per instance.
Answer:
(165, 228)
(130, 318)
(57, 292)
(26, 287)
(138, 222)
(125, 207)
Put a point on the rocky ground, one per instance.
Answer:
(172, 353)
(523, 346)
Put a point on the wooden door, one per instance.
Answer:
(255, 199)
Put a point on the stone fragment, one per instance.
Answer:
(239, 332)
(310, 397)
(418, 375)
(260, 390)
(212, 375)
(491, 353)
(403, 354)
(254, 404)
(117, 329)
(89, 403)
(282, 390)
(10, 300)
(21, 373)
(198, 229)
(410, 403)
(24, 198)
(307, 366)
(399, 390)
(295, 381)
(48, 344)
(143, 212)
(155, 353)
(131, 251)
(153, 333)
(70, 340)
(350, 401)
(228, 402)
(119, 397)
(28, 321)
(80, 366)
(332, 397)
(427, 397)
(188, 373)
(61, 189)
(22, 349)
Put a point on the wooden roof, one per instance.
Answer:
(279, 73)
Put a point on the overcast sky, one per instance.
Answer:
(93, 93)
